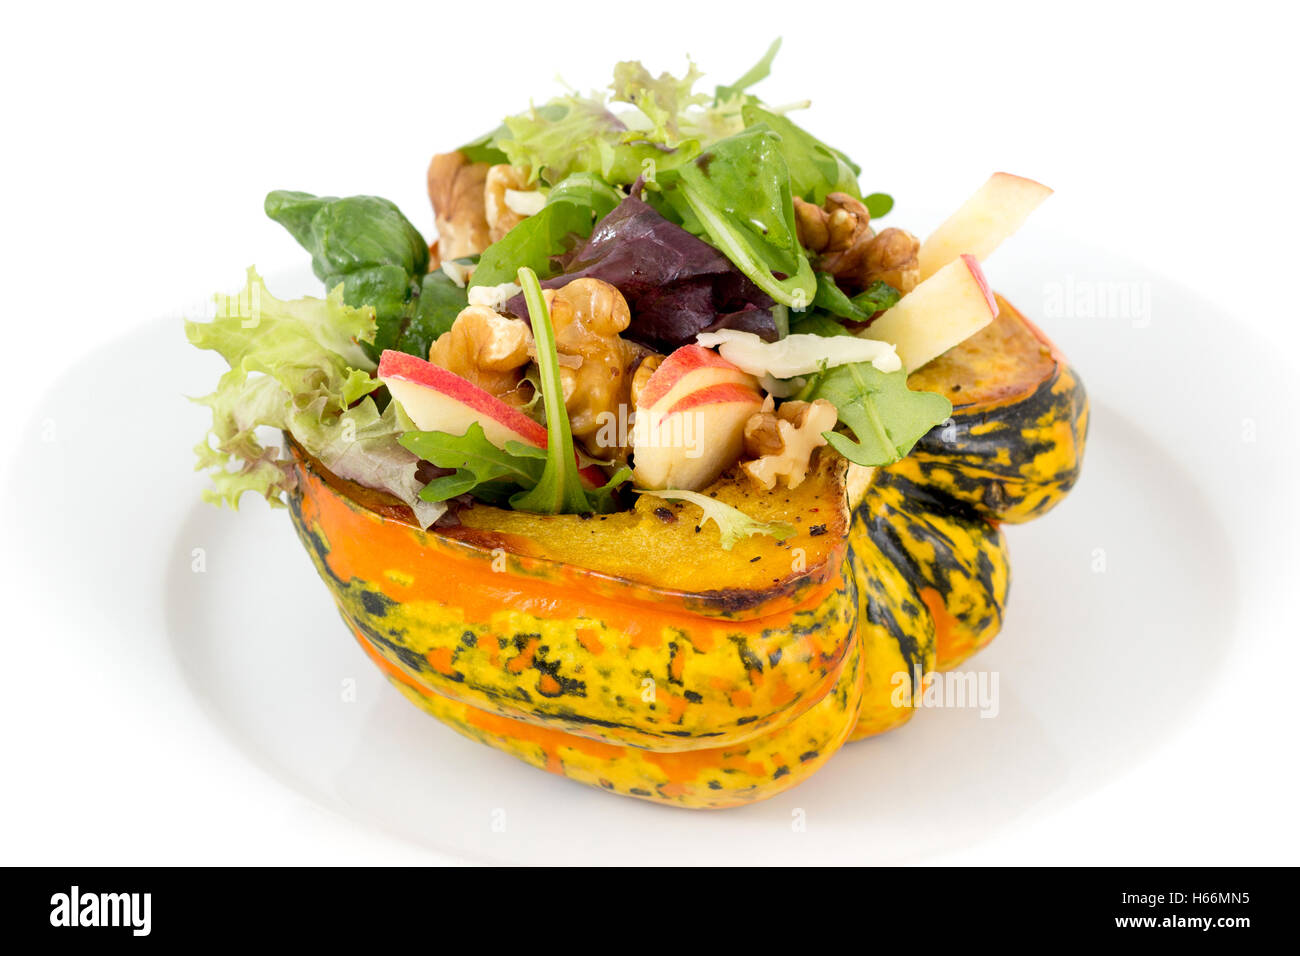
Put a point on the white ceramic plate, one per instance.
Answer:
(179, 636)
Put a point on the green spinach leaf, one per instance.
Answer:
(737, 195)
(815, 168)
(878, 204)
(363, 243)
(441, 300)
(482, 149)
(860, 308)
(817, 322)
(571, 212)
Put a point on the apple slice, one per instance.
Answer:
(997, 209)
(688, 368)
(441, 401)
(944, 310)
(690, 420)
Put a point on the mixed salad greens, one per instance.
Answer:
(681, 200)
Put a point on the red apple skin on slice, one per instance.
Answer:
(981, 280)
(995, 211)
(695, 430)
(686, 369)
(437, 400)
(724, 393)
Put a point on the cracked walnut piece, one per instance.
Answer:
(840, 233)
(781, 442)
(488, 349)
(893, 257)
(457, 191)
(588, 315)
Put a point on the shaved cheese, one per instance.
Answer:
(798, 354)
(493, 296)
(525, 202)
(456, 272)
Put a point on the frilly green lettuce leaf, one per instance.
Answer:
(298, 366)
(569, 134)
(733, 524)
(662, 99)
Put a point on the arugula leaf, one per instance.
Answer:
(886, 416)
(756, 73)
(815, 168)
(476, 460)
(602, 498)
(733, 524)
(537, 242)
(558, 490)
(875, 298)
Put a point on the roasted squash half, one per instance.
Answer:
(630, 652)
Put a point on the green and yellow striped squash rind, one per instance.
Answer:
(522, 637)
(712, 778)
(955, 561)
(1009, 461)
(894, 625)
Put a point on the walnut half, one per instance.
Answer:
(457, 192)
(588, 315)
(781, 442)
(490, 350)
(848, 248)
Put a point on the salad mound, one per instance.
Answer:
(637, 293)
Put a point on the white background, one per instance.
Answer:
(139, 141)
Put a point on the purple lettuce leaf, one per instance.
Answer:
(676, 284)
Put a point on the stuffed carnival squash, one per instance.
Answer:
(572, 644)
(663, 469)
